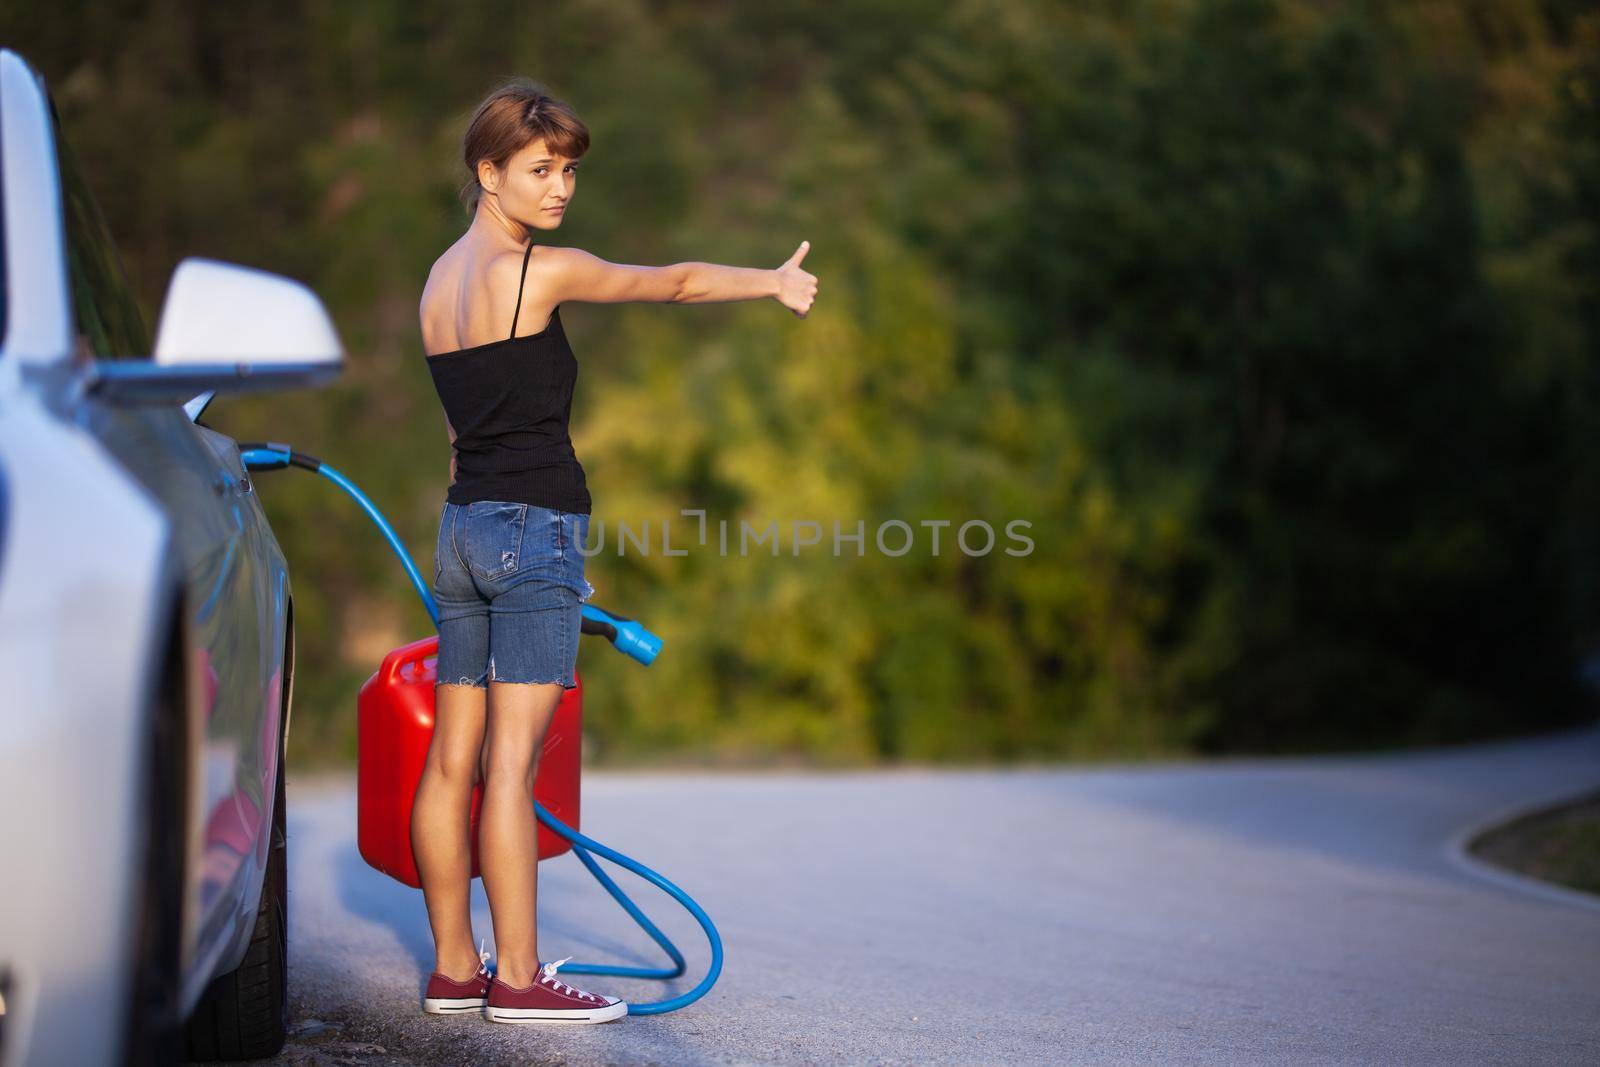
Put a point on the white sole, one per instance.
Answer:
(452, 1006)
(558, 1015)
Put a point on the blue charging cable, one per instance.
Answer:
(628, 637)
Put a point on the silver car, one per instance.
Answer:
(146, 634)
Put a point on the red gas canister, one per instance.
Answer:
(394, 725)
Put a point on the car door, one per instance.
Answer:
(236, 583)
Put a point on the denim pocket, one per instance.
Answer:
(494, 537)
(545, 539)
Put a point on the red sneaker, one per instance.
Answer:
(550, 1001)
(445, 996)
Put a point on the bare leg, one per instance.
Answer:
(440, 824)
(508, 844)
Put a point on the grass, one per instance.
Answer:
(1560, 845)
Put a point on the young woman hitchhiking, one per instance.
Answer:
(508, 578)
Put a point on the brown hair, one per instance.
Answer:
(511, 117)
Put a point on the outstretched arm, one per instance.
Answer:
(573, 274)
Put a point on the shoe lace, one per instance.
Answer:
(547, 974)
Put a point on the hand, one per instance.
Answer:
(796, 287)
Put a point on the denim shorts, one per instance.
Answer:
(508, 581)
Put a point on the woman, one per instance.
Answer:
(508, 578)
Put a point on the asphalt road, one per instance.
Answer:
(1242, 911)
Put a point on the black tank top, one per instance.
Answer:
(510, 403)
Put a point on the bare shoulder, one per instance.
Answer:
(503, 280)
(503, 267)
(551, 265)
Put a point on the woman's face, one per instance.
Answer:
(535, 187)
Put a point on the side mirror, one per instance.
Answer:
(227, 328)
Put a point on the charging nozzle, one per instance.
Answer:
(265, 455)
(625, 634)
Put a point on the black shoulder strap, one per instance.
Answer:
(520, 282)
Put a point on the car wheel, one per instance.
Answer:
(244, 1014)
(154, 1033)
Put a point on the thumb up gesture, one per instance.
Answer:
(797, 287)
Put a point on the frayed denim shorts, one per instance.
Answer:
(508, 580)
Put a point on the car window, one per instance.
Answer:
(106, 315)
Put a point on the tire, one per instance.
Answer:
(244, 1014)
(154, 1033)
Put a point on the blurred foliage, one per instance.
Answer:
(1277, 320)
